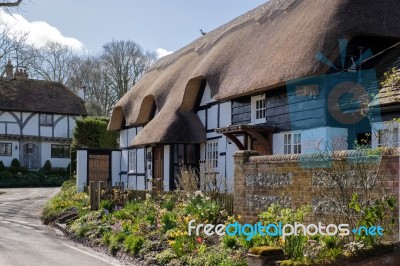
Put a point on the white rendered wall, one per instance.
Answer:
(212, 116)
(46, 131)
(13, 129)
(32, 126)
(314, 140)
(81, 170)
(61, 129)
(123, 138)
(72, 124)
(115, 169)
(206, 96)
(225, 114)
(46, 155)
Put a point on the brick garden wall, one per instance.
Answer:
(292, 180)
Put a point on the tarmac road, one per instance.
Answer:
(24, 240)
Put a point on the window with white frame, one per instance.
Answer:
(292, 143)
(258, 109)
(212, 155)
(388, 137)
(132, 160)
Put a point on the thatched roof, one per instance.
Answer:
(261, 49)
(389, 85)
(39, 96)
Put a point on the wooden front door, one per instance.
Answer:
(99, 168)
(261, 148)
(158, 168)
(30, 156)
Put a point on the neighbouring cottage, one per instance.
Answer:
(37, 119)
(289, 77)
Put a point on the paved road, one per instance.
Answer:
(24, 240)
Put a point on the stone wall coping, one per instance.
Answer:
(336, 155)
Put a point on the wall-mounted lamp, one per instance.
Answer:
(16, 147)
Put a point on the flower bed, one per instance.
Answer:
(154, 229)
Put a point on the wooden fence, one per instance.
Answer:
(119, 196)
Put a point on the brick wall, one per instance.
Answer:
(295, 180)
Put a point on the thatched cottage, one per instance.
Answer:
(280, 79)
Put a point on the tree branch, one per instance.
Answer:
(10, 4)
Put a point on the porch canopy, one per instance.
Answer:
(262, 134)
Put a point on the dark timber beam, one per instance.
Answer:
(235, 140)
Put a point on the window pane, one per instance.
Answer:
(5, 149)
(57, 151)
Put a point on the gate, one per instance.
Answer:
(99, 168)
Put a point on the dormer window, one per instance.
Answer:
(258, 109)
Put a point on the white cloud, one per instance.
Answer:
(39, 32)
(162, 52)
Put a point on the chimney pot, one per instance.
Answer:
(9, 70)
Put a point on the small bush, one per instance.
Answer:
(168, 221)
(15, 165)
(133, 244)
(47, 166)
(165, 256)
(229, 241)
(2, 167)
(106, 204)
(116, 241)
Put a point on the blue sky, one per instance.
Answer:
(152, 23)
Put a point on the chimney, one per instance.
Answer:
(9, 70)
(20, 74)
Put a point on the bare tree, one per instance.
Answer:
(106, 77)
(10, 3)
(12, 46)
(125, 63)
(89, 74)
(52, 62)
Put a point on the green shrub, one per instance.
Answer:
(47, 166)
(15, 165)
(168, 221)
(106, 204)
(294, 244)
(168, 204)
(115, 242)
(183, 245)
(2, 167)
(229, 241)
(133, 244)
(92, 132)
(165, 256)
